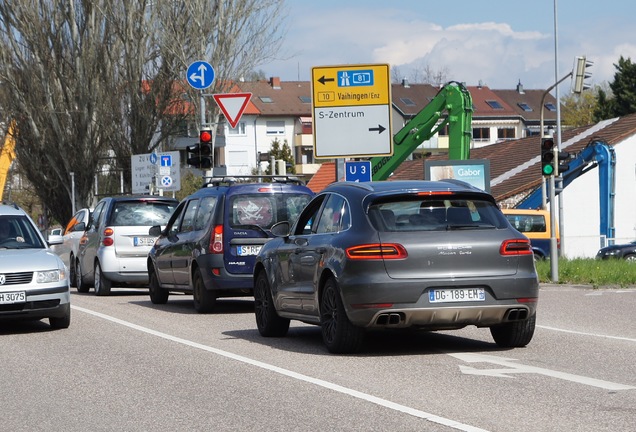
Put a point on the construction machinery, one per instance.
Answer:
(452, 106)
(599, 154)
(7, 155)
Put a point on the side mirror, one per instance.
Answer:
(280, 229)
(80, 227)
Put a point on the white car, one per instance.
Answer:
(34, 281)
(71, 238)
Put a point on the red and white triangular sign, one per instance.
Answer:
(232, 105)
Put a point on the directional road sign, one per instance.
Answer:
(233, 105)
(358, 171)
(200, 75)
(162, 169)
(352, 111)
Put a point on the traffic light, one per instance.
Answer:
(547, 157)
(579, 75)
(563, 159)
(202, 152)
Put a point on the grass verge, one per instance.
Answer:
(598, 273)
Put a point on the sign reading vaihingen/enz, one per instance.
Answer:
(352, 111)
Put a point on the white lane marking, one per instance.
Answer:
(587, 334)
(326, 384)
(512, 368)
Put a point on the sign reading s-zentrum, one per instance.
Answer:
(352, 111)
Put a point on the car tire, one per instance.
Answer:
(102, 284)
(514, 334)
(157, 294)
(71, 272)
(338, 333)
(267, 320)
(61, 322)
(81, 286)
(204, 300)
(630, 258)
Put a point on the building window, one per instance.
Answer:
(303, 155)
(506, 133)
(276, 127)
(407, 101)
(524, 106)
(238, 130)
(550, 106)
(265, 99)
(494, 104)
(443, 131)
(305, 99)
(481, 134)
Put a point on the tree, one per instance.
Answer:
(284, 153)
(578, 110)
(98, 81)
(623, 99)
(422, 73)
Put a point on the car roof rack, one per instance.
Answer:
(230, 180)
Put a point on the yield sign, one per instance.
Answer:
(232, 105)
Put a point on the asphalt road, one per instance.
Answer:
(128, 365)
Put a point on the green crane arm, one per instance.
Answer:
(453, 104)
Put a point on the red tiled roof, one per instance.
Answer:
(325, 175)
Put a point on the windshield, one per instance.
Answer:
(429, 215)
(141, 213)
(17, 232)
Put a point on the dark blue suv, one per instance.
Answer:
(210, 243)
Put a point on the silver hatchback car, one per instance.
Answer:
(34, 281)
(392, 255)
(115, 245)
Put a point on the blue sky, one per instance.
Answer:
(495, 42)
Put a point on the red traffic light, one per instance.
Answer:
(205, 136)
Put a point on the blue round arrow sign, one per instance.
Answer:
(200, 75)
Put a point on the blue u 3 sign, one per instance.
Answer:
(358, 171)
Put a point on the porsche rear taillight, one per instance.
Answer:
(216, 240)
(515, 247)
(376, 251)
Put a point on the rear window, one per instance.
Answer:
(430, 215)
(141, 213)
(265, 210)
(527, 223)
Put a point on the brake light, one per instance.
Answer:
(515, 247)
(377, 251)
(216, 240)
(431, 193)
(108, 240)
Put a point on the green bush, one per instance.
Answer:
(597, 273)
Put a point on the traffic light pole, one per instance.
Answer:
(554, 251)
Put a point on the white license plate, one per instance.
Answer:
(12, 297)
(456, 295)
(144, 241)
(247, 250)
